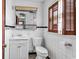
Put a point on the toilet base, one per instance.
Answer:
(40, 57)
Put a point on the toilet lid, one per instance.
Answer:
(41, 49)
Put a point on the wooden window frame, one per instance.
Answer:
(52, 30)
(64, 23)
(64, 19)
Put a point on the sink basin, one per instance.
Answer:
(20, 37)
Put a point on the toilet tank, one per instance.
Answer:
(37, 41)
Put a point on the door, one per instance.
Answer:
(8, 35)
(14, 50)
(3, 33)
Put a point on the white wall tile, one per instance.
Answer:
(55, 42)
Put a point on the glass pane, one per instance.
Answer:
(68, 18)
(72, 15)
(55, 18)
(50, 13)
(50, 19)
(69, 15)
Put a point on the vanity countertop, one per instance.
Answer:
(20, 38)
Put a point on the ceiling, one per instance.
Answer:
(35, 0)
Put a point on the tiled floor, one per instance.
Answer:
(32, 56)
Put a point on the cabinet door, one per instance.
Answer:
(14, 51)
(23, 50)
(18, 50)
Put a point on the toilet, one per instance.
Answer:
(42, 52)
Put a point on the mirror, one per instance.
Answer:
(26, 17)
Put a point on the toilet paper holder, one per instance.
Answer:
(68, 44)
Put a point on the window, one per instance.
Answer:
(69, 17)
(62, 17)
(53, 18)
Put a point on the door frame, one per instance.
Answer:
(3, 28)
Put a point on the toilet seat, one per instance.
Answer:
(41, 50)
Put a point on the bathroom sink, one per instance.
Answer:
(20, 37)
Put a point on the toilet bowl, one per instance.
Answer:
(42, 52)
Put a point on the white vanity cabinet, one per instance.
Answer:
(18, 49)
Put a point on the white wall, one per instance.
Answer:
(32, 4)
(10, 13)
(39, 12)
(10, 20)
(55, 42)
(10, 16)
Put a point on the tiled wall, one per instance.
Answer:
(55, 42)
(10, 17)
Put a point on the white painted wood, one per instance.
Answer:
(60, 17)
(18, 49)
(14, 51)
(8, 32)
